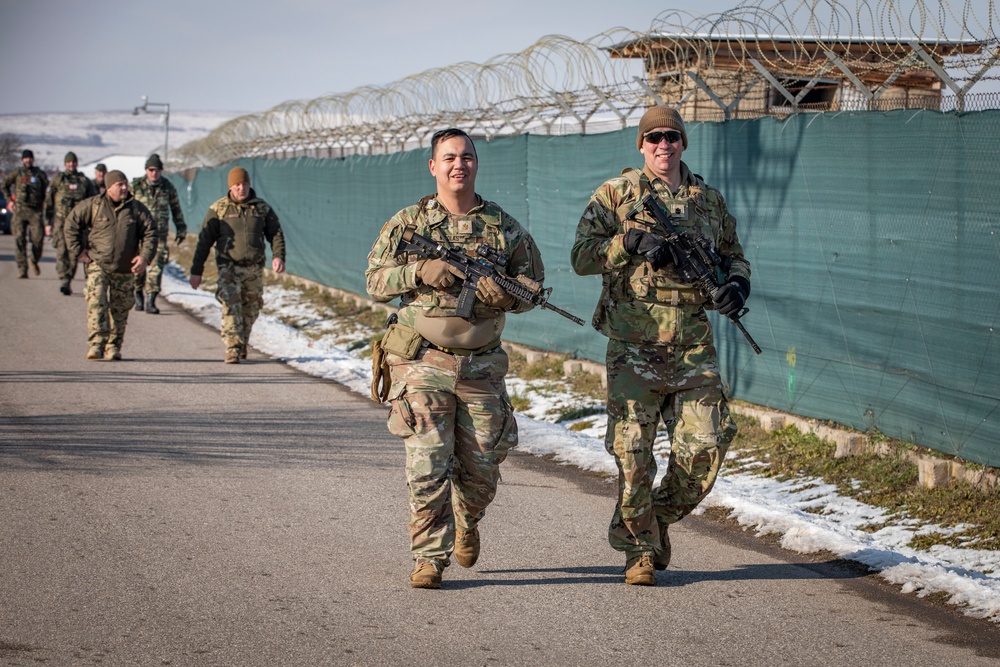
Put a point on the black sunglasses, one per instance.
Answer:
(657, 137)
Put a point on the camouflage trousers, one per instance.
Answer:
(24, 225)
(65, 263)
(457, 425)
(240, 290)
(109, 299)
(152, 277)
(681, 386)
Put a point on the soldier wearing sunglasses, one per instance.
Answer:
(661, 358)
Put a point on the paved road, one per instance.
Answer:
(171, 510)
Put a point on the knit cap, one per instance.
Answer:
(661, 116)
(238, 175)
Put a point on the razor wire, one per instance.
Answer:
(560, 85)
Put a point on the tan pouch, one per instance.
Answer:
(402, 340)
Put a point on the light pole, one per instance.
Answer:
(159, 107)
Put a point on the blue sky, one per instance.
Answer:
(220, 55)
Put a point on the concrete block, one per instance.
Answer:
(849, 445)
(571, 366)
(771, 422)
(933, 473)
(534, 356)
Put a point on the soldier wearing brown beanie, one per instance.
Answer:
(661, 360)
(237, 226)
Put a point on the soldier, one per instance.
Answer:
(99, 172)
(114, 235)
(237, 225)
(661, 360)
(68, 189)
(449, 400)
(160, 197)
(24, 189)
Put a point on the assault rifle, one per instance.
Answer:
(475, 268)
(695, 260)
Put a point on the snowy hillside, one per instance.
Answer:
(94, 136)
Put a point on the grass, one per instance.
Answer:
(889, 482)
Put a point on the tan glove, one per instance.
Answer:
(437, 273)
(493, 295)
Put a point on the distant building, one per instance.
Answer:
(717, 77)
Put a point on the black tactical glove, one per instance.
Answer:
(657, 251)
(730, 298)
(179, 239)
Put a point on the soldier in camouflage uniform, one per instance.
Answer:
(24, 189)
(661, 359)
(237, 226)
(68, 189)
(100, 171)
(160, 197)
(114, 235)
(449, 400)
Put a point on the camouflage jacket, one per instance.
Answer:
(638, 304)
(67, 189)
(238, 230)
(162, 201)
(112, 234)
(389, 276)
(26, 187)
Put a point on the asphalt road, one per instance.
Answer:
(169, 509)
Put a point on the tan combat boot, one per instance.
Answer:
(426, 574)
(113, 354)
(95, 352)
(232, 356)
(466, 547)
(639, 571)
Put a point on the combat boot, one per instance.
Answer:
(34, 267)
(113, 354)
(639, 571)
(661, 557)
(140, 303)
(232, 357)
(95, 352)
(243, 352)
(151, 305)
(65, 289)
(426, 574)
(467, 547)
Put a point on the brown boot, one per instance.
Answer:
(113, 354)
(95, 352)
(466, 547)
(661, 557)
(639, 571)
(232, 356)
(426, 574)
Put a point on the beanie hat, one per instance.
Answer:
(101, 167)
(70, 157)
(114, 177)
(154, 161)
(238, 175)
(27, 153)
(661, 116)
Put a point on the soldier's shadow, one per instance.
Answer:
(614, 574)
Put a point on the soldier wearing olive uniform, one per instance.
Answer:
(160, 197)
(24, 188)
(68, 189)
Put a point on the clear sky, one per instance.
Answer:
(221, 55)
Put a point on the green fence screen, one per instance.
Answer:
(873, 239)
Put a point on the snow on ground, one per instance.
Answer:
(808, 514)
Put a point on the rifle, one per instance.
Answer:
(695, 260)
(484, 265)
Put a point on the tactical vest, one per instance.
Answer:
(28, 188)
(694, 213)
(485, 224)
(70, 189)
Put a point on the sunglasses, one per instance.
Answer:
(656, 137)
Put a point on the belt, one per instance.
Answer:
(461, 352)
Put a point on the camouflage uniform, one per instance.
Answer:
(25, 186)
(67, 190)
(113, 235)
(450, 406)
(161, 199)
(238, 230)
(661, 359)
